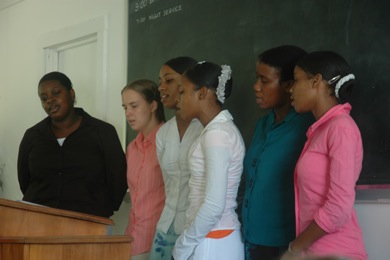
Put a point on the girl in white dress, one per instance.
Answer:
(212, 228)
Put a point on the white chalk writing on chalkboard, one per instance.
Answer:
(143, 10)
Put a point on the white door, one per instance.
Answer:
(79, 64)
(80, 53)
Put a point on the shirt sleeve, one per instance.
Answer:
(215, 147)
(160, 143)
(115, 164)
(161, 137)
(345, 165)
(23, 167)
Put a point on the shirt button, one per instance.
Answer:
(246, 203)
(254, 162)
(250, 183)
(60, 173)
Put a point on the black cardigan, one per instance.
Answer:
(86, 174)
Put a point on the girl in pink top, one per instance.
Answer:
(330, 162)
(145, 114)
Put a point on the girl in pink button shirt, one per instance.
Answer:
(330, 163)
(145, 114)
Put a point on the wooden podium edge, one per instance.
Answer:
(66, 239)
(53, 211)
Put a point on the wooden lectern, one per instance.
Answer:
(34, 232)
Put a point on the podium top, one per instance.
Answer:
(55, 212)
(67, 239)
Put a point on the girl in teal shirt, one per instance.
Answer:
(268, 206)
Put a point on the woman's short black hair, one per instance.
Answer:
(58, 76)
(282, 58)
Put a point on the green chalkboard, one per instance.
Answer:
(235, 32)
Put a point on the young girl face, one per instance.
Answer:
(269, 91)
(302, 92)
(139, 113)
(187, 103)
(169, 86)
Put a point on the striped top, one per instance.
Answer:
(147, 194)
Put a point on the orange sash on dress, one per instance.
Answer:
(219, 233)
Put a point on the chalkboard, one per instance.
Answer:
(235, 32)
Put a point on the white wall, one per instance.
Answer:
(22, 65)
(375, 223)
(3, 80)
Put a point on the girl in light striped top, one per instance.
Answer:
(145, 114)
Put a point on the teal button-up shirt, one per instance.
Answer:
(268, 212)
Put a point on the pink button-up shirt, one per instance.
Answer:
(325, 178)
(147, 194)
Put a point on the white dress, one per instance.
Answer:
(216, 164)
